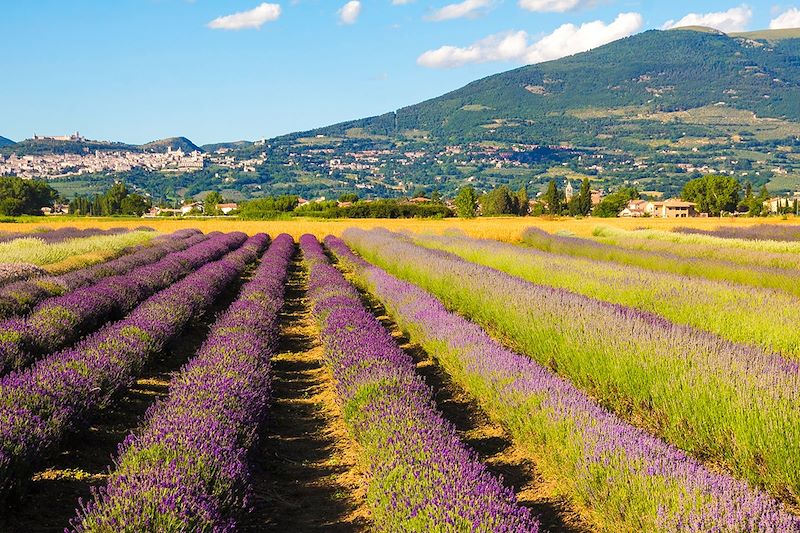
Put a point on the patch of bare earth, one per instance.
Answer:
(306, 472)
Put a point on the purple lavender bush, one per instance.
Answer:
(186, 470)
(422, 477)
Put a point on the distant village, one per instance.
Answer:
(50, 166)
(361, 169)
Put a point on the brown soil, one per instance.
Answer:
(306, 474)
(51, 496)
(493, 444)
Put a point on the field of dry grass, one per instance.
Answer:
(501, 228)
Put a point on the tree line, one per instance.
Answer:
(115, 201)
(503, 201)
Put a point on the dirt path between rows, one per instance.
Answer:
(306, 476)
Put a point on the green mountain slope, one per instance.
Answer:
(4, 141)
(235, 145)
(578, 97)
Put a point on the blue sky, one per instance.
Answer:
(139, 70)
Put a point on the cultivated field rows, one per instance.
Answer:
(643, 389)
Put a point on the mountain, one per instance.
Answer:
(639, 78)
(5, 142)
(235, 145)
(175, 143)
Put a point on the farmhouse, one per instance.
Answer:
(672, 208)
(227, 208)
(635, 208)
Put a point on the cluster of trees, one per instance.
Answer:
(24, 197)
(348, 206)
(554, 201)
(268, 208)
(116, 201)
(499, 201)
(389, 208)
(503, 201)
(715, 194)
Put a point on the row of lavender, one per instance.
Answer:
(58, 321)
(20, 297)
(40, 405)
(784, 279)
(186, 470)
(51, 236)
(422, 477)
(11, 272)
(757, 232)
(629, 479)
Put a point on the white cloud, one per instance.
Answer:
(349, 12)
(401, 2)
(465, 9)
(515, 46)
(554, 6)
(255, 18)
(788, 19)
(734, 19)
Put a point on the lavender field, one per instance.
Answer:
(384, 381)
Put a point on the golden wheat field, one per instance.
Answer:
(500, 228)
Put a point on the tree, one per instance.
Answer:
(349, 197)
(111, 203)
(466, 202)
(499, 201)
(211, 201)
(713, 194)
(523, 205)
(585, 198)
(747, 202)
(134, 204)
(552, 198)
